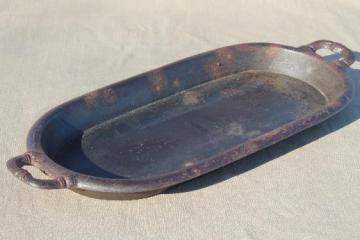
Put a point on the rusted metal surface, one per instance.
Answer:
(135, 138)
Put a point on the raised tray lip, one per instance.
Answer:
(98, 184)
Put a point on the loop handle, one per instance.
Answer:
(15, 167)
(347, 56)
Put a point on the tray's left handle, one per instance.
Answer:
(347, 56)
(15, 167)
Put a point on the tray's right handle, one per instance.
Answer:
(15, 167)
(347, 56)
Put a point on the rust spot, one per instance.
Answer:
(106, 95)
(192, 98)
(176, 83)
(225, 55)
(109, 95)
(277, 83)
(251, 148)
(246, 48)
(339, 102)
(235, 155)
(231, 156)
(90, 99)
(195, 171)
(158, 81)
(272, 52)
(221, 63)
(267, 137)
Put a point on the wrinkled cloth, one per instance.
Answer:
(306, 187)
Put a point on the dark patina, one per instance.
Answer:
(137, 137)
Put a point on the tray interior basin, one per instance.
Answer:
(188, 127)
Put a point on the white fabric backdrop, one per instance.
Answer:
(306, 187)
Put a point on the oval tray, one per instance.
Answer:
(142, 135)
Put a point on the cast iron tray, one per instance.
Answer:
(137, 137)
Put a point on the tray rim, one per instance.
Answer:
(75, 180)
